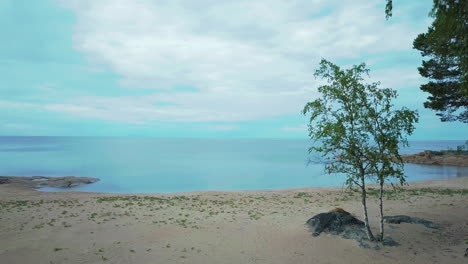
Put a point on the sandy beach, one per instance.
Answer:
(225, 227)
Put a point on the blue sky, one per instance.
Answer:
(197, 68)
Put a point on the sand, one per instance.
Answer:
(225, 227)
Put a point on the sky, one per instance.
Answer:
(205, 68)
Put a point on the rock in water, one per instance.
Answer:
(444, 157)
(43, 181)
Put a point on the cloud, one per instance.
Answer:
(8, 104)
(249, 60)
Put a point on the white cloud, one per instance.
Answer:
(401, 77)
(8, 104)
(249, 59)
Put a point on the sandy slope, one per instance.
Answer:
(224, 227)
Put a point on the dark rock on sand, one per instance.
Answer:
(389, 242)
(334, 223)
(4, 180)
(348, 227)
(43, 181)
(397, 219)
(341, 224)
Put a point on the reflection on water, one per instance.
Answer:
(173, 165)
(422, 172)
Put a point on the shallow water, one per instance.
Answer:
(144, 165)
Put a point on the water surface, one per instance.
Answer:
(145, 165)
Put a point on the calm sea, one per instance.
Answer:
(144, 165)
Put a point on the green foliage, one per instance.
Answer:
(389, 129)
(337, 120)
(446, 65)
(461, 149)
(355, 127)
(388, 8)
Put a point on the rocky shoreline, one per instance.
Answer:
(35, 182)
(446, 157)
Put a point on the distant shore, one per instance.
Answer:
(225, 227)
(445, 158)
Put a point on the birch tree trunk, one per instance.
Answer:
(381, 236)
(370, 236)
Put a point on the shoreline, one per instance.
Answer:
(440, 158)
(432, 182)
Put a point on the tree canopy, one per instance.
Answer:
(356, 128)
(445, 48)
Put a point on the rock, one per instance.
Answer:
(388, 241)
(69, 181)
(358, 234)
(398, 219)
(333, 223)
(345, 225)
(466, 252)
(43, 181)
(428, 154)
(445, 157)
(4, 180)
(339, 210)
(362, 244)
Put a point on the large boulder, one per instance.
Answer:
(333, 223)
(341, 223)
